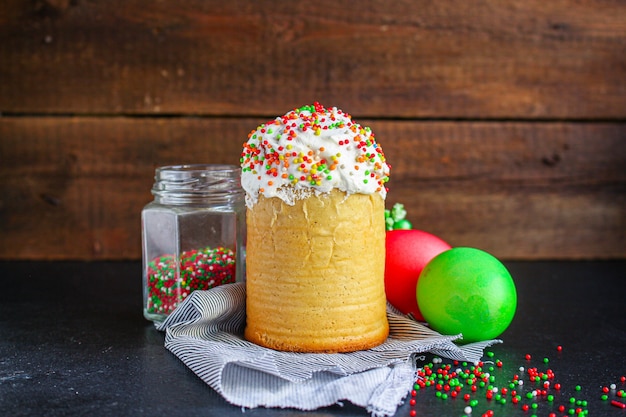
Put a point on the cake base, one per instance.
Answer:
(315, 273)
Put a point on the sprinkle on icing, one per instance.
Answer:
(311, 150)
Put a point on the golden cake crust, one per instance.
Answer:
(315, 273)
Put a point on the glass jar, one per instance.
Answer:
(193, 234)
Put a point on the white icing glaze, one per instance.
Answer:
(312, 150)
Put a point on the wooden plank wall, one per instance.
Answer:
(503, 120)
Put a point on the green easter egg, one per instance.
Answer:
(467, 291)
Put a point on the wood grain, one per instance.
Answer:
(74, 187)
(489, 59)
(504, 120)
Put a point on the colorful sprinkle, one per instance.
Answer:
(618, 404)
(198, 269)
(482, 386)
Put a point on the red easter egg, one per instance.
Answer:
(408, 252)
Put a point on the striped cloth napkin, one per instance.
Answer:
(206, 333)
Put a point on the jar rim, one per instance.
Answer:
(195, 168)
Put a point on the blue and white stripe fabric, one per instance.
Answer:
(206, 333)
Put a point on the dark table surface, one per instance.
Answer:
(73, 341)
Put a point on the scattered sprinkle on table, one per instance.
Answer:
(487, 389)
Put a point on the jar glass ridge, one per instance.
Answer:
(188, 184)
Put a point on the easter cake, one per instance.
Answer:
(315, 257)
